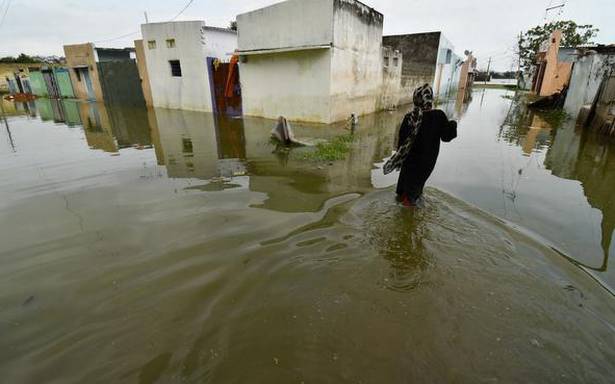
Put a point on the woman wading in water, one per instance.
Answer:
(419, 146)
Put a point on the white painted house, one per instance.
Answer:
(316, 61)
(176, 55)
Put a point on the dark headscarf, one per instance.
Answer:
(423, 101)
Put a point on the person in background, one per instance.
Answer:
(419, 146)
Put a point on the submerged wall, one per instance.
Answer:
(83, 56)
(292, 84)
(420, 55)
(193, 44)
(121, 83)
(587, 74)
(143, 73)
(317, 61)
(448, 69)
(356, 67)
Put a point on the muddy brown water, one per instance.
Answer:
(168, 246)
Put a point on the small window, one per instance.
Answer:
(386, 61)
(396, 61)
(78, 75)
(176, 68)
(151, 44)
(171, 43)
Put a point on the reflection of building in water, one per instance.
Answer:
(296, 185)
(588, 158)
(186, 143)
(538, 134)
(525, 128)
(110, 128)
(231, 141)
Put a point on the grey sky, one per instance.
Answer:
(488, 27)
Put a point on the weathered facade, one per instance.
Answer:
(176, 60)
(591, 66)
(143, 74)
(15, 77)
(82, 61)
(552, 68)
(429, 58)
(391, 80)
(317, 61)
(104, 74)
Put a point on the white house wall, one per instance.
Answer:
(357, 68)
(219, 43)
(293, 84)
(191, 91)
(447, 74)
(293, 23)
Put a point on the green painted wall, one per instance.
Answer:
(39, 88)
(44, 109)
(71, 112)
(64, 83)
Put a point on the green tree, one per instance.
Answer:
(21, 59)
(573, 35)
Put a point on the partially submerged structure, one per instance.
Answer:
(317, 61)
(180, 60)
(591, 67)
(428, 58)
(52, 82)
(553, 66)
(104, 74)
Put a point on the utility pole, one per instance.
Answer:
(6, 122)
(519, 58)
(488, 69)
(146, 19)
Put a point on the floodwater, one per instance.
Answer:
(169, 246)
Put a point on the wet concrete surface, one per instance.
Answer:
(169, 246)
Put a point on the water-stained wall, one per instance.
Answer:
(316, 61)
(190, 43)
(82, 57)
(420, 53)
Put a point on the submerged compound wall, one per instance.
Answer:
(420, 55)
(356, 65)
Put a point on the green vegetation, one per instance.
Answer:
(573, 35)
(21, 59)
(335, 149)
(554, 117)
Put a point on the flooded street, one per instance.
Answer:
(173, 246)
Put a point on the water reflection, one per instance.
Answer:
(235, 258)
(216, 150)
(573, 153)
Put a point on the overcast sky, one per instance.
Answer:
(488, 27)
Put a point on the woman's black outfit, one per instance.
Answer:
(421, 160)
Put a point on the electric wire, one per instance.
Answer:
(136, 32)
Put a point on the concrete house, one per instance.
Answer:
(104, 74)
(591, 68)
(553, 66)
(51, 81)
(177, 56)
(429, 58)
(314, 61)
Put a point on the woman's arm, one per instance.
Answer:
(449, 130)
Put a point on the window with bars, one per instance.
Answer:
(176, 68)
(170, 43)
(151, 44)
